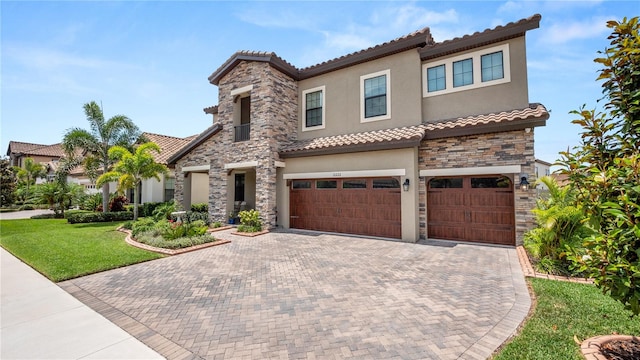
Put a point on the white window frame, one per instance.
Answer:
(387, 116)
(476, 57)
(304, 108)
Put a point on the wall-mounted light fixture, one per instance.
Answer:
(405, 185)
(524, 184)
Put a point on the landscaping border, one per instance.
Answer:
(132, 242)
(528, 270)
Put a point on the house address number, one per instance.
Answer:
(337, 174)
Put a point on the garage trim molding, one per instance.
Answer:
(345, 174)
(196, 168)
(483, 170)
(241, 165)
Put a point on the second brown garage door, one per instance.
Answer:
(472, 208)
(364, 206)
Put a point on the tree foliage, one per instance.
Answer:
(604, 170)
(7, 183)
(132, 168)
(28, 174)
(93, 146)
(559, 230)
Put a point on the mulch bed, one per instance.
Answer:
(621, 349)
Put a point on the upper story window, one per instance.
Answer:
(471, 70)
(492, 66)
(242, 113)
(463, 72)
(436, 78)
(313, 108)
(375, 99)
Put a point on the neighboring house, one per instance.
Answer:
(410, 139)
(47, 155)
(151, 190)
(543, 168)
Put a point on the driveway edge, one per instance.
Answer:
(149, 337)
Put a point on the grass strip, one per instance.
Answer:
(63, 251)
(565, 310)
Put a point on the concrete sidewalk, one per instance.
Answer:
(39, 320)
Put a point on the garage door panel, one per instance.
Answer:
(363, 211)
(476, 209)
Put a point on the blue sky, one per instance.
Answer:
(150, 60)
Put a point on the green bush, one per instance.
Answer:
(46, 216)
(77, 218)
(148, 208)
(157, 241)
(92, 202)
(164, 210)
(142, 225)
(249, 221)
(200, 207)
(171, 230)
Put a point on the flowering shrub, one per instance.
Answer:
(249, 221)
(172, 230)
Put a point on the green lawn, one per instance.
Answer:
(565, 310)
(63, 251)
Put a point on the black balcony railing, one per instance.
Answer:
(241, 132)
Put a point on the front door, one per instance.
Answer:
(239, 187)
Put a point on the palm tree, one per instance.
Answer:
(95, 144)
(132, 168)
(29, 173)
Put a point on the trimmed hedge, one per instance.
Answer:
(99, 217)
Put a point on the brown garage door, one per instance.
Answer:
(365, 206)
(472, 208)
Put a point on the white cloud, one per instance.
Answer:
(40, 58)
(277, 19)
(564, 32)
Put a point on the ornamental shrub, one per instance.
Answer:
(200, 207)
(250, 221)
(90, 217)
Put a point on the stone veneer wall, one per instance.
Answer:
(274, 101)
(495, 149)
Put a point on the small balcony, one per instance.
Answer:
(241, 132)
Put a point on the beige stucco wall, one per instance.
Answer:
(342, 91)
(484, 100)
(406, 159)
(199, 188)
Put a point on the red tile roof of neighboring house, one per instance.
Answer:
(27, 149)
(169, 145)
(534, 115)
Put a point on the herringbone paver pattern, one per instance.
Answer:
(306, 296)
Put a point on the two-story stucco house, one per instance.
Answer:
(409, 139)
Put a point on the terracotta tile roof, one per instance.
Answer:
(534, 111)
(387, 139)
(416, 39)
(211, 109)
(27, 149)
(477, 39)
(169, 145)
(534, 115)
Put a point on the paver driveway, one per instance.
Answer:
(289, 295)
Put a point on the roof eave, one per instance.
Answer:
(194, 143)
(365, 56)
(387, 145)
(487, 37)
(522, 124)
(236, 58)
